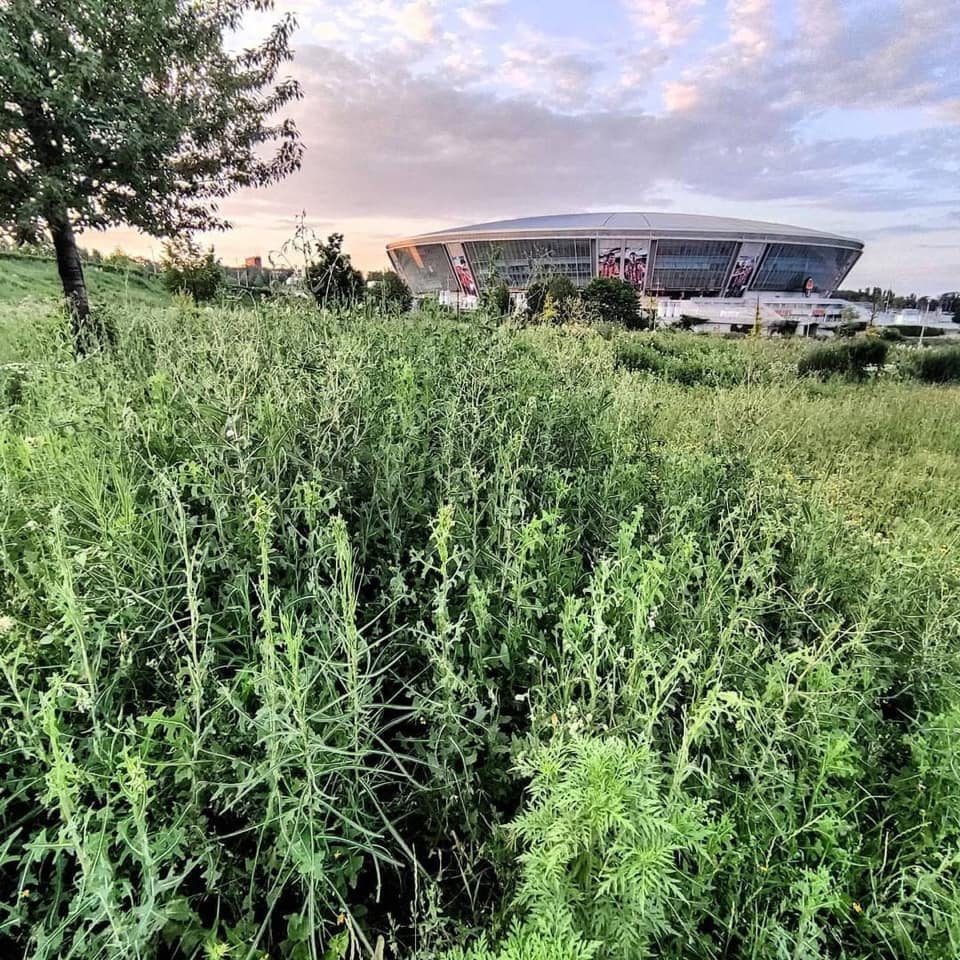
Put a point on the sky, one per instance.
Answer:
(417, 115)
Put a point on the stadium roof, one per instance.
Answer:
(613, 224)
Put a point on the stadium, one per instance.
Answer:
(710, 270)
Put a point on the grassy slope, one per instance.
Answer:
(289, 597)
(24, 278)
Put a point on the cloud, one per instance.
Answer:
(417, 21)
(385, 139)
(538, 65)
(680, 96)
(750, 28)
(671, 22)
(482, 14)
(426, 114)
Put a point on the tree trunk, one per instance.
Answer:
(71, 277)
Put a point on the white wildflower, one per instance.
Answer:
(6, 625)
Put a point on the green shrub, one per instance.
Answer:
(844, 357)
(535, 300)
(866, 352)
(914, 330)
(890, 334)
(188, 270)
(614, 301)
(849, 328)
(683, 358)
(496, 300)
(388, 290)
(938, 365)
(330, 274)
(825, 359)
(561, 288)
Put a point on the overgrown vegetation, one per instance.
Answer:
(850, 356)
(490, 642)
(938, 364)
(191, 271)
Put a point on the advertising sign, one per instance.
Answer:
(461, 268)
(635, 264)
(744, 268)
(609, 256)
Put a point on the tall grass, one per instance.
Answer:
(325, 635)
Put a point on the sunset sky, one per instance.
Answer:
(842, 116)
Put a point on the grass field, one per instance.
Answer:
(31, 278)
(328, 635)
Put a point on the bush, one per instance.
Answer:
(864, 352)
(496, 299)
(683, 358)
(190, 271)
(330, 275)
(535, 299)
(914, 330)
(890, 334)
(844, 357)
(849, 328)
(938, 365)
(388, 290)
(561, 288)
(614, 301)
(550, 301)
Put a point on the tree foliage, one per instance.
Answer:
(190, 270)
(388, 289)
(496, 299)
(535, 299)
(112, 112)
(330, 276)
(615, 301)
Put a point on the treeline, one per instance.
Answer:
(888, 300)
(327, 274)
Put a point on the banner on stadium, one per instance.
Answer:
(461, 267)
(744, 268)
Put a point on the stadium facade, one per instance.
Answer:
(715, 269)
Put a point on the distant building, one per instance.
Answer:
(718, 271)
(253, 263)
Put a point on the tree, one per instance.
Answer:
(535, 298)
(188, 269)
(388, 289)
(561, 288)
(330, 276)
(614, 301)
(496, 299)
(136, 113)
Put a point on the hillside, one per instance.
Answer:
(23, 278)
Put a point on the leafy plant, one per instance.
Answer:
(330, 274)
(938, 365)
(847, 357)
(601, 841)
(388, 290)
(189, 270)
(615, 301)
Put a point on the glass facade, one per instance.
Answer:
(666, 267)
(518, 262)
(787, 267)
(426, 269)
(695, 267)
